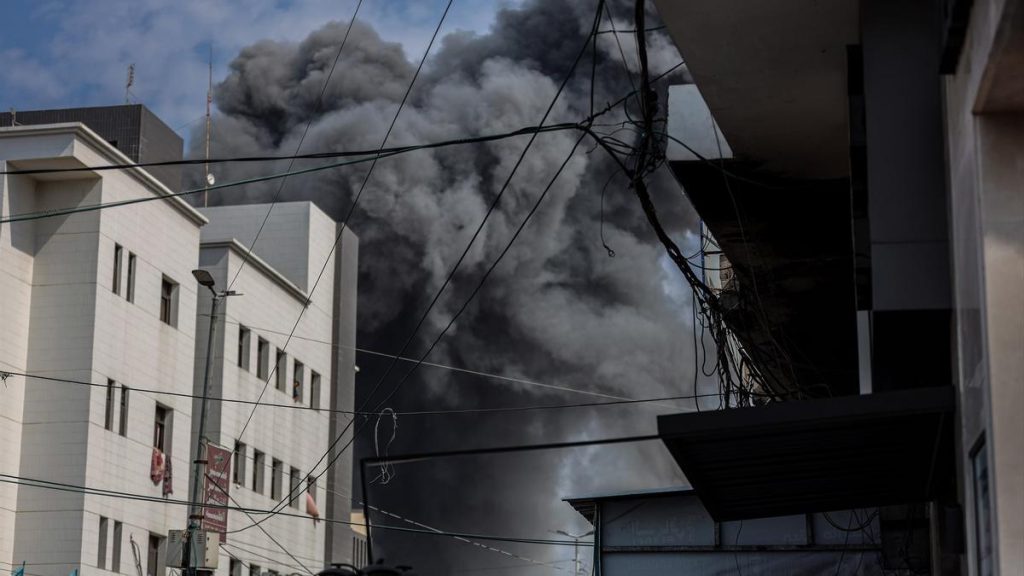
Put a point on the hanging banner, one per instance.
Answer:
(216, 488)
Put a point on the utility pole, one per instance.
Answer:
(196, 509)
(575, 548)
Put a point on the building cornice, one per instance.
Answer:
(111, 154)
(259, 264)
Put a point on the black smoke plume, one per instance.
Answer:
(558, 308)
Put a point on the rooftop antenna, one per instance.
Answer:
(209, 100)
(128, 84)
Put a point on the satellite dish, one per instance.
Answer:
(210, 179)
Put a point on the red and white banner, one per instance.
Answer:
(216, 488)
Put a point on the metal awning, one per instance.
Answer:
(816, 455)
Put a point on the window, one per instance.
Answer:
(123, 424)
(108, 414)
(293, 488)
(169, 302)
(314, 390)
(262, 358)
(155, 556)
(282, 370)
(116, 284)
(254, 570)
(130, 290)
(115, 560)
(259, 462)
(239, 463)
(235, 567)
(101, 553)
(273, 573)
(298, 375)
(276, 476)
(161, 428)
(244, 335)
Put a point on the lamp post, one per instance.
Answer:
(204, 278)
(575, 548)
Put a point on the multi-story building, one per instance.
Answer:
(859, 166)
(293, 270)
(104, 337)
(103, 297)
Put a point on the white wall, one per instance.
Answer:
(296, 436)
(66, 322)
(986, 159)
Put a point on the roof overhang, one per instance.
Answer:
(586, 506)
(774, 76)
(816, 455)
(259, 264)
(71, 158)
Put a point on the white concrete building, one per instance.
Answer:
(104, 297)
(104, 302)
(278, 450)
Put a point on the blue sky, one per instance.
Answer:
(64, 53)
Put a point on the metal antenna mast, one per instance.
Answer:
(128, 84)
(209, 100)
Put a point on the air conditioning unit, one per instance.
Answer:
(205, 549)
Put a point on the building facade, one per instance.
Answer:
(104, 337)
(859, 165)
(104, 297)
(279, 451)
(984, 139)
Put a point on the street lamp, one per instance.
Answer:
(204, 278)
(576, 546)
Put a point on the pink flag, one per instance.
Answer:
(156, 467)
(311, 508)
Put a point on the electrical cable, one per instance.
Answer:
(511, 379)
(452, 272)
(64, 487)
(262, 529)
(441, 412)
(465, 540)
(298, 147)
(327, 155)
(362, 156)
(248, 566)
(355, 202)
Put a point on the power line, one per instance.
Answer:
(352, 207)
(440, 412)
(461, 258)
(337, 240)
(262, 529)
(588, 131)
(298, 147)
(511, 379)
(256, 554)
(384, 152)
(508, 449)
(459, 538)
(364, 157)
(64, 487)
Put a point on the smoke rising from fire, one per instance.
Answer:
(557, 309)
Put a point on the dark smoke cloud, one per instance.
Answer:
(557, 309)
